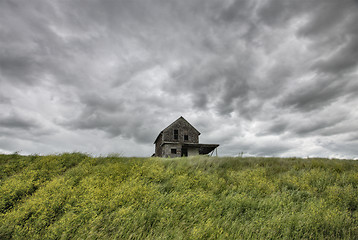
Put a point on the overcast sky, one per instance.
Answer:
(267, 78)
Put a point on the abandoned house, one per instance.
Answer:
(180, 139)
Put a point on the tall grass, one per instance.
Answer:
(76, 196)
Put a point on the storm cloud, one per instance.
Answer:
(267, 78)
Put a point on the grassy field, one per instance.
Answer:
(75, 196)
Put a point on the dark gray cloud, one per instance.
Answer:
(277, 127)
(20, 126)
(341, 61)
(237, 10)
(315, 94)
(15, 121)
(277, 13)
(4, 100)
(271, 77)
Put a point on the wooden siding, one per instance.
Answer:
(184, 128)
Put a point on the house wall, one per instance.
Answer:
(158, 147)
(167, 150)
(183, 129)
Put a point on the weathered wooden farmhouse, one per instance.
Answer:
(180, 139)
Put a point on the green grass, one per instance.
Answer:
(75, 196)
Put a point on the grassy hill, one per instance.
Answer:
(75, 196)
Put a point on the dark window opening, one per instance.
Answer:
(176, 134)
(186, 137)
(174, 151)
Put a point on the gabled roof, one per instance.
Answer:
(181, 118)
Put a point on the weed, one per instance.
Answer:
(76, 196)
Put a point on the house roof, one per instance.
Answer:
(181, 118)
(203, 148)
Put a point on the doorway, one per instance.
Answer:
(184, 152)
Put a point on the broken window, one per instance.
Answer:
(174, 151)
(186, 137)
(176, 134)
